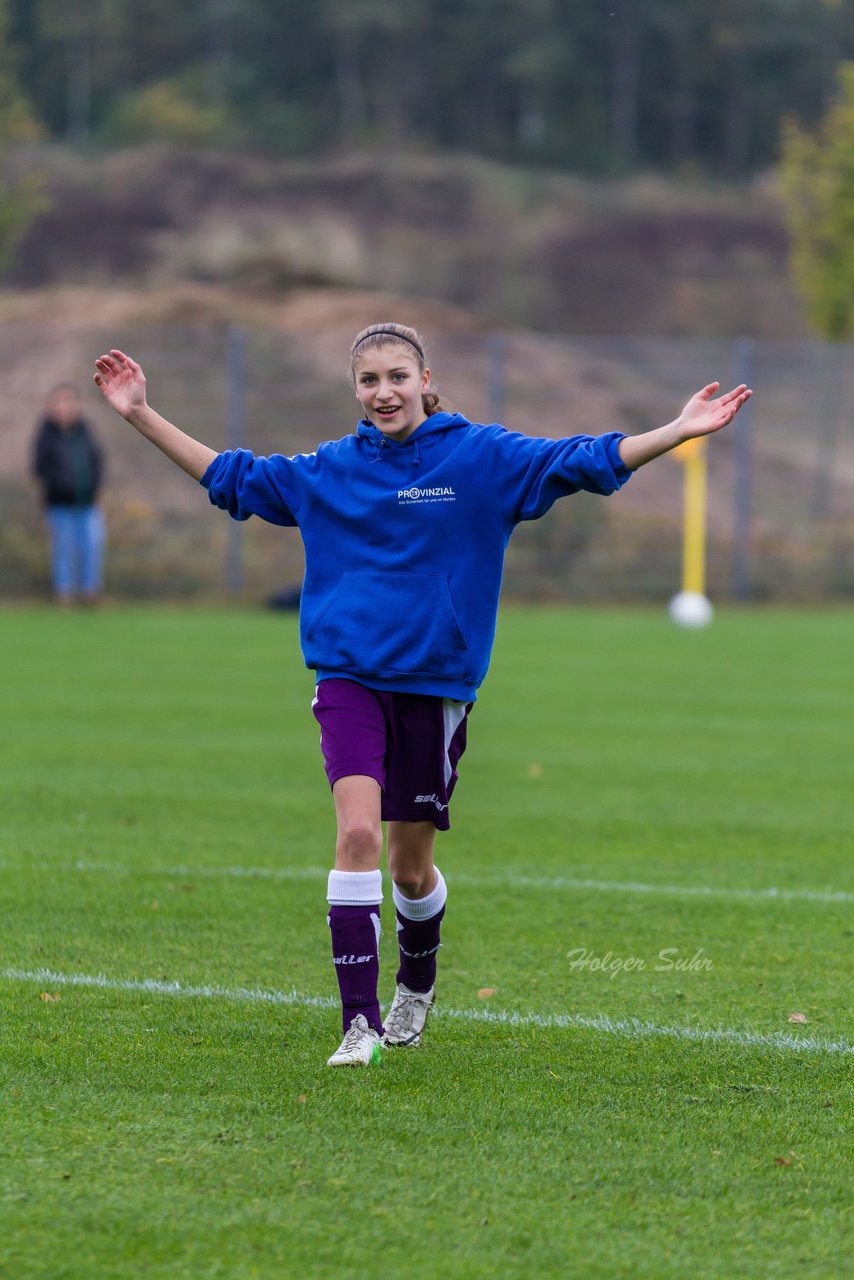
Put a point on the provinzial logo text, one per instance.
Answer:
(442, 494)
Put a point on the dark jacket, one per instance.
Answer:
(69, 464)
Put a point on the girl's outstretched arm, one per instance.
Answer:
(701, 416)
(123, 384)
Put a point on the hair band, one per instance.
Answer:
(375, 333)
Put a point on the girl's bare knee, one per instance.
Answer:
(359, 847)
(414, 877)
(415, 887)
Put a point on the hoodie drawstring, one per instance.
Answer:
(416, 457)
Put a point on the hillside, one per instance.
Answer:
(517, 247)
(166, 541)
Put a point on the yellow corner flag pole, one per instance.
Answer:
(694, 518)
(691, 608)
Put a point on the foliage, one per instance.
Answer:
(166, 111)
(818, 184)
(20, 199)
(671, 83)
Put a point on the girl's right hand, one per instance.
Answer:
(122, 382)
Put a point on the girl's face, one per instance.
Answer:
(389, 387)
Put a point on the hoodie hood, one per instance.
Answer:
(430, 426)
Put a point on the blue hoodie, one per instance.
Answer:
(405, 541)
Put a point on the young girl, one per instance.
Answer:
(405, 525)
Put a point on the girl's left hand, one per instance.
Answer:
(702, 415)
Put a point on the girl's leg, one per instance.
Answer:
(355, 896)
(419, 899)
(410, 858)
(430, 736)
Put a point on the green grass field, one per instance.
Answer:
(628, 790)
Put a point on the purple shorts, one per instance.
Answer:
(410, 742)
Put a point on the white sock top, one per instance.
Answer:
(354, 888)
(422, 908)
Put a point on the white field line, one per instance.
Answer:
(627, 1028)
(548, 884)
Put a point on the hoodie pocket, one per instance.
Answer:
(388, 625)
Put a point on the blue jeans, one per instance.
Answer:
(77, 547)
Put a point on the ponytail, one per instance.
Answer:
(432, 404)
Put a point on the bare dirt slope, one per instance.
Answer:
(525, 248)
(165, 539)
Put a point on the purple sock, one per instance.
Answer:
(355, 930)
(418, 926)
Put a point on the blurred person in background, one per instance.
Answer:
(69, 465)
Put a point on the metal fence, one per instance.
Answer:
(781, 478)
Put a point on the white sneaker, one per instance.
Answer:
(405, 1019)
(360, 1046)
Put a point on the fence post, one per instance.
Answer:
(236, 435)
(743, 487)
(496, 376)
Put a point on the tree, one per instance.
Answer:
(817, 178)
(20, 200)
(611, 85)
(625, 82)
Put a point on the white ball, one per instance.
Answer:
(690, 609)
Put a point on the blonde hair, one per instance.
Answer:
(377, 336)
